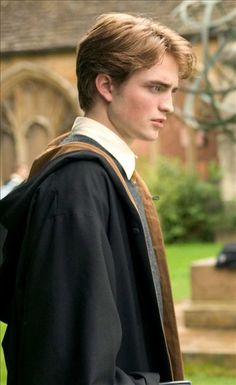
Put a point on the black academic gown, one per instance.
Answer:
(84, 309)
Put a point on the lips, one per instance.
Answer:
(158, 122)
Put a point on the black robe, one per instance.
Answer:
(84, 310)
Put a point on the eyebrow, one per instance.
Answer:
(163, 84)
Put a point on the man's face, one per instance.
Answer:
(139, 106)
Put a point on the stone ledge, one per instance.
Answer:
(209, 283)
(204, 345)
(210, 315)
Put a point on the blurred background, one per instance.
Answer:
(192, 166)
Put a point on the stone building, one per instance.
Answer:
(39, 97)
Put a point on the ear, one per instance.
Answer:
(104, 86)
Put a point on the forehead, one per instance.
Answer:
(166, 71)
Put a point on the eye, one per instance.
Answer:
(175, 90)
(156, 88)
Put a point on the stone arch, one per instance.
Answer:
(36, 106)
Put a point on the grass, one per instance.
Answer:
(3, 375)
(209, 374)
(180, 258)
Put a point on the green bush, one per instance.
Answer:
(190, 208)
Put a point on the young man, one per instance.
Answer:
(92, 301)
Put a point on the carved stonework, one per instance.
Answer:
(36, 106)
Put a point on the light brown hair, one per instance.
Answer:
(119, 44)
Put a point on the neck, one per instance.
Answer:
(100, 116)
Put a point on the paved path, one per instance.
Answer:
(216, 346)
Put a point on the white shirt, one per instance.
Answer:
(108, 140)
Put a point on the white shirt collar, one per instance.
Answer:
(107, 139)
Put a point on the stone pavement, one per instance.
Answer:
(206, 345)
(207, 322)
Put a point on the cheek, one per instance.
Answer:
(138, 102)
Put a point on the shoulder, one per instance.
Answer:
(79, 184)
(84, 169)
(81, 175)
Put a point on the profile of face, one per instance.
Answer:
(138, 108)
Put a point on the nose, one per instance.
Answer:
(166, 105)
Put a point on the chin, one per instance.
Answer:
(149, 139)
(153, 137)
